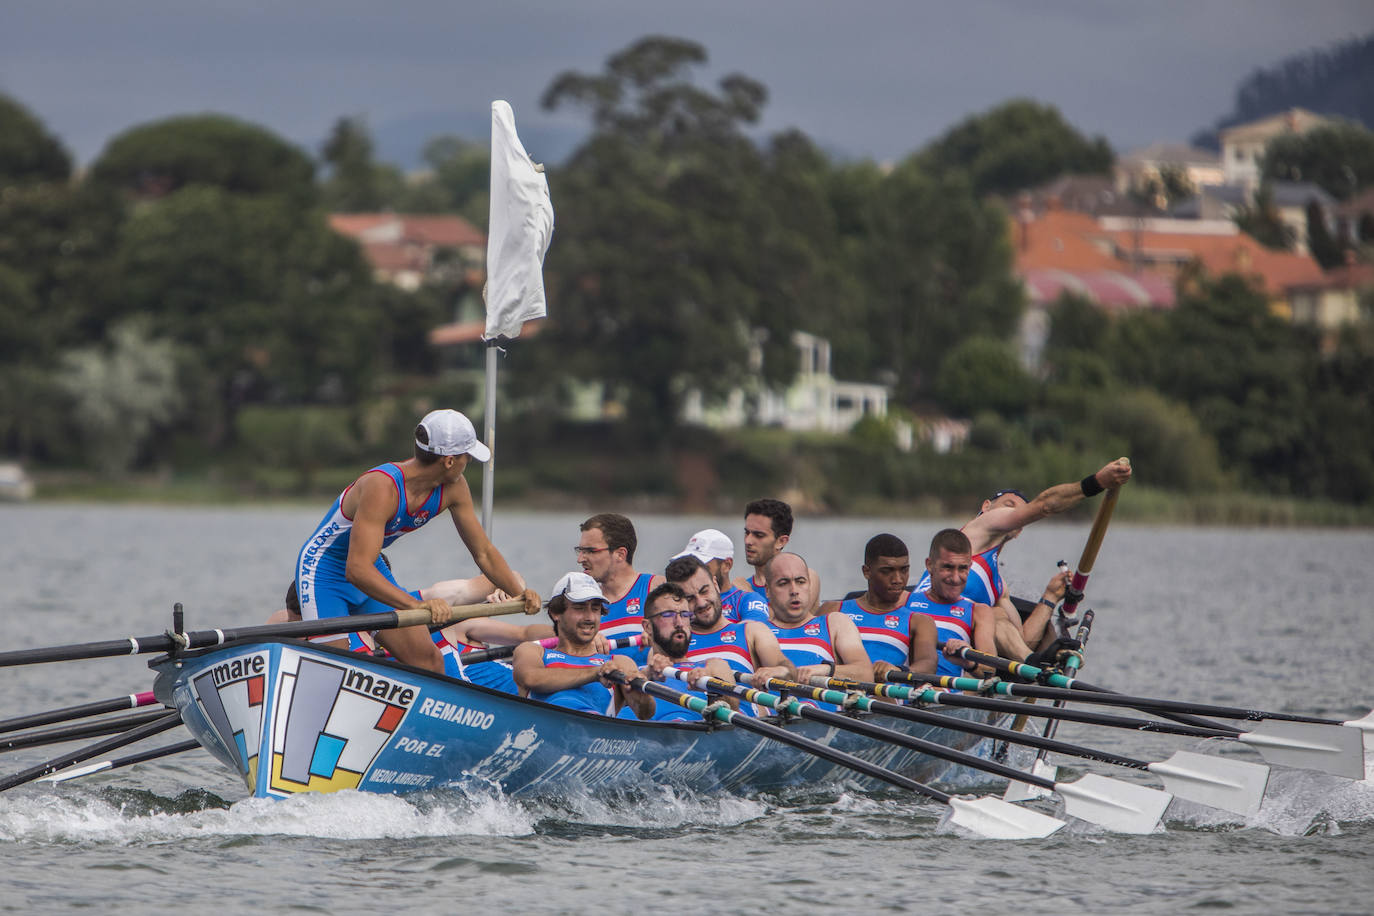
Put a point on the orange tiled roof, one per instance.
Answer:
(446, 231)
(1060, 240)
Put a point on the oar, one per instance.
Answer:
(132, 736)
(75, 732)
(1232, 785)
(1100, 800)
(115, 704)
(1304, 742)
(202, 639)
(74, 772)
(988, 817)
(549, 642)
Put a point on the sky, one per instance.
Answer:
(863, 79)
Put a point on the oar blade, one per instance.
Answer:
(1118, 806)
(995, 819)
(1231, 785)
(1334, 749)
(74, 772)
(1024, 791)
(1366, 728)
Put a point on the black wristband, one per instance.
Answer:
(832, 669)
(1090, 486)
(1048, 603)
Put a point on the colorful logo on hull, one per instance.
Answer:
(230, 696)
(330, 722)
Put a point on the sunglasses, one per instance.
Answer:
(680, 615)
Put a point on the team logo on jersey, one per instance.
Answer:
(632, 606)
(891, 621)
(812, 629)
(956, 611)
(420, 517)
(727, 636)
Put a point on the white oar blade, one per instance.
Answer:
(1119, 806)
(74, 772)
(994, 818)
(1334, 749)
(1024, 791)
(1232, 785)
(1366, 727)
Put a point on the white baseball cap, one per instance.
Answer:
(578, 586)
(709, 544)
(448, 432)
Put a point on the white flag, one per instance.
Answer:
(521, 225)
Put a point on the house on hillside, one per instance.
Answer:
(1243, 145)
(1148, 164)
(1342, 297)
(1292, 201)
(409, 250)
(1122, 263)
(815, 400)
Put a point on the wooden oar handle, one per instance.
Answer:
(418, 616)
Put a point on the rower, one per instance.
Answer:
(747, 646)
(339, 571)
(959, 621)
(1000, 519)
(668, 626)
(573, 674)
(767, 529)
(826, 644)
(717, 553)
(893, 637)
(606, 552)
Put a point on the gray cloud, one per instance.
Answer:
(871, 79)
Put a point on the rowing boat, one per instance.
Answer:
(291, 717)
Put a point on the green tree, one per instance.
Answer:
(357, 183)
(459, 180)
(1017, 145)
(28, 153)
(1339, 158)
(1260, 220)
(936, 261)
(663, 258)
(983, 374)
(121, 392)
(273, 303)
(156, 159)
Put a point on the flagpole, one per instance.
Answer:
(520, 224)
(489, 437)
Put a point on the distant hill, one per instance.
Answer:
(401, 141)
(1338, 80)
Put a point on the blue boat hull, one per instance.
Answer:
(290, 717)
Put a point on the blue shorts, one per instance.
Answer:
(332, 595)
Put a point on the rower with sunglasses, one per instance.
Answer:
(668, 626)
(1000, 519)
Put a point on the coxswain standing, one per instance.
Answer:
(339, 570)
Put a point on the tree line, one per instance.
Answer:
(184, 300)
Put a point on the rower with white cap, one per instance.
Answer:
(339, 570)
(717, 553)
(573, 673)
